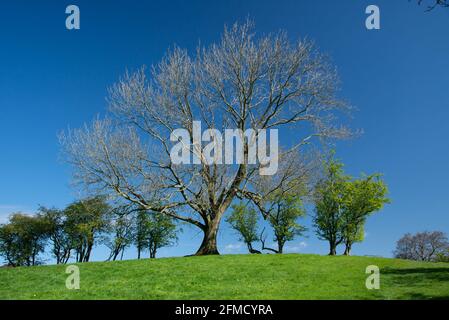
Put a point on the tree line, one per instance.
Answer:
(245, 81)
(73, 232)
(342, 205)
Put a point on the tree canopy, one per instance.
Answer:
(342, 205)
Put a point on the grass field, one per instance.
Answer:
(289, 276)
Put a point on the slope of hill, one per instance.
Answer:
(289, 276)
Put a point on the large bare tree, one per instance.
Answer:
(243, 82)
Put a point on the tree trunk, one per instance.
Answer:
(209, 244)
(332, 249)
(347, 249)
(252, 250)
(153, 253)
(87, 255)
(280, 246)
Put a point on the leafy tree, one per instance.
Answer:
(10, 248)
(22, 239)
(162, 232)
(283, 219)
(422, 246)
(329, 200)
(280, 197)
(362, 197)
(61, 242)
(87, 222)
(141, 232)
(154, 231)
(244, 220)
(121, 228)
(243, 82)
(342, 205)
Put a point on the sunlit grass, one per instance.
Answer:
(290, 276)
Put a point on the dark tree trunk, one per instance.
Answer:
(87, 256)
(332, 249)
(209, 243)
(348, 249)
(252, 250)
(280, 246)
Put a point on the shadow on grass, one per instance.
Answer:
(419, 277)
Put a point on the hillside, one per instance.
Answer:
(290, 276)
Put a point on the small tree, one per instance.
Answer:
(141, 232)
(22, 239)
(121, 228)
(329, 204)
(362, 197)
(61, 242)
(10, 246)
(342, 205)
(422, 246)
(162, 232)
(154, 231)
(87, 221)
(244, 220)
(283, 219)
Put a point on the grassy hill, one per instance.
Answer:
(290, 276)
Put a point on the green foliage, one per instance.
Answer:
(154, 230)
(87, 222)
(22, 239)
(244, 220)
(329, 197)
(121, 234)
(342, 205)
(362, 197)
(287, 208)
(61, 243)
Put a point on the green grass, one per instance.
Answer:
(290, 276)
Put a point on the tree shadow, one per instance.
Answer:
(436, 274)
(419, 277)
(420, 296)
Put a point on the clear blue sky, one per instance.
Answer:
(398, 77)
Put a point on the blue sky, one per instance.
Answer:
(397, 77)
